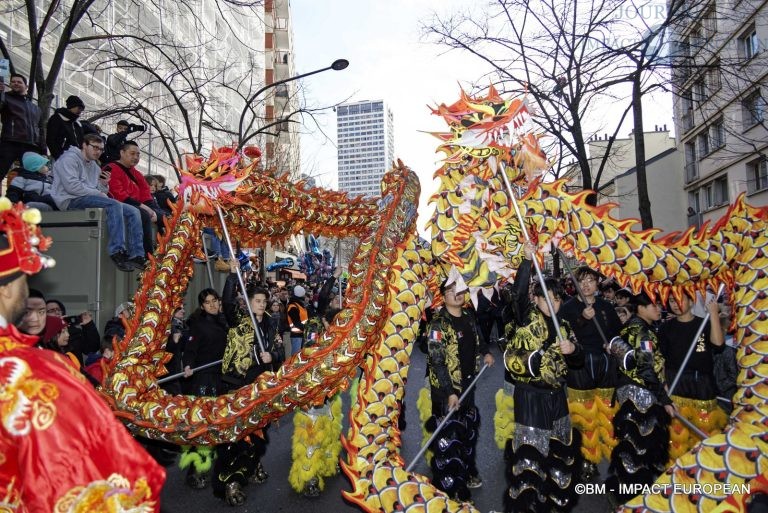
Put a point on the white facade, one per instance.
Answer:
(223, 44)
(365, 136)
(721, 85)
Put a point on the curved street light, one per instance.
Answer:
(337, 65)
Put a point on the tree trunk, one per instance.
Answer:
(644, 201)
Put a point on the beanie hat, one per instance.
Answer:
(21, 242)
(33, 161)
(53, 326)
(123, 122)
(75, 101)
(298, 291)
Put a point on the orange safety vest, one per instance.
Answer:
(303, 317)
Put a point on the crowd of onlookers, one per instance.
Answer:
(84, 169)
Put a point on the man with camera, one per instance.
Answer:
(116, 140)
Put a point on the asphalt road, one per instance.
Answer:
(276, 494)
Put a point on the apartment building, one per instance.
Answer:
(282, 149)
(365, 137)
(720, 79)
(220, 53)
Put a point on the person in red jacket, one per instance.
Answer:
(45, 401)
(127, 184)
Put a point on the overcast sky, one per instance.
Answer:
(390, 59)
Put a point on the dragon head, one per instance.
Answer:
(216, 179)
(484, 129)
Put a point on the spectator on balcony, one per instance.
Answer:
(20, 117)
(127, 184)
(32, 184)
(78, 183)
(64, 128)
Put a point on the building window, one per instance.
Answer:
(686, 104)
(700, 90)
(691, 167)
(703, 141)
(717, 133)
(757, 175)
(753, 109)
(716, 193)
(713, 77)
(749, 45)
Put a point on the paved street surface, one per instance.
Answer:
(276, 494)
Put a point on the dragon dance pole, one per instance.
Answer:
(582, 296)
(207, 261)
(180, 374)
(338, 264)
(690, 425)
(693, 344)
(256, 330)
(444, 421)
(552, 313)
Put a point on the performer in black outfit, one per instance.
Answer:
(642, 423)
(591, 387)
(244, 361)
(543, 455)
(206, 342)
(696, 392)
(453, 348)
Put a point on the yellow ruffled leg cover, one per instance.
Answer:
(504, 418)
(592, 415)
(705, 415)
(316, 444)
(424, 405)
(605, 414)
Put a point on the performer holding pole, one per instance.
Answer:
(453, 348)
(689, 344)
(641, 424)
(543, 453)
(239, 275)
(439, 427)
(591, 386)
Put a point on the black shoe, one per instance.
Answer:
(197, 481)
(312, 488)
(259, 475)
(138, 262)
(122, 262)
(234, 494)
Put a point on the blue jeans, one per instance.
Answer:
(217, 246)
(296, 344)
(123, 223)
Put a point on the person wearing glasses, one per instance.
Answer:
(79, 183)
(590, 388)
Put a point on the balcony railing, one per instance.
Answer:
(691, 172)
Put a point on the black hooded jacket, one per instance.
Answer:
(64, 130)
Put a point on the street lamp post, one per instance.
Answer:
(337, 65)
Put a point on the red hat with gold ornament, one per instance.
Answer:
(21, 242)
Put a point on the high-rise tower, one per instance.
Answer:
(366, 137)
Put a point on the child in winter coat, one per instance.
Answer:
(33, 184)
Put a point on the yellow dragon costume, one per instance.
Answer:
(476, 240)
